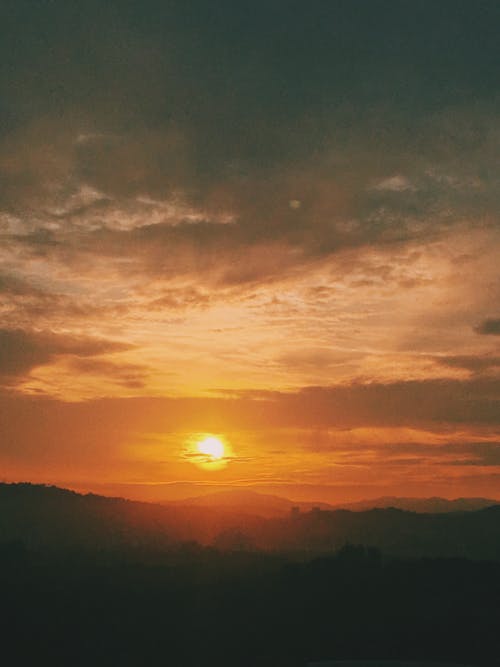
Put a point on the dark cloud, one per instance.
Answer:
(486, 453)
(473, 363)
(266, 56)
(241, 112)
(131, 376)
(21, 351)
(477, 454)
(489, 327)
(414, 403)
(141, 197)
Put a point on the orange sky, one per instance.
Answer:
(293, 248)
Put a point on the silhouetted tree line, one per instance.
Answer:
(86, 580)
(198, 606)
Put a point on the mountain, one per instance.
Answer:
(243, 501)
(433, 505)
(53, 519)
(49, 517)
(90, 580)
(474, 534)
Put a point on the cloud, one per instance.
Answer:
(131, 376)
(180, 299)
(396, 183)
(132, 205)
(402, 454)
(477, 454)
(473, 363)
(21, 351)
(168, 123)
(250, 197)
(415, 403)
(23, 303)
(489, 327)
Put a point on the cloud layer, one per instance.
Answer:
(295, 207)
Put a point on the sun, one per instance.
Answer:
(208, 451)
(211, 447)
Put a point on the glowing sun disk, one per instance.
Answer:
(212, 447)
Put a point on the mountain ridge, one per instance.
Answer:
(53, 519)
(244, 500)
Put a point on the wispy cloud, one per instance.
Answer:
(289, 231)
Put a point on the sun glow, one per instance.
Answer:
(212, 447)
(208, 452)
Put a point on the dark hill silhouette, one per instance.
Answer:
(89, 580)
(51, 518)
(464, 534)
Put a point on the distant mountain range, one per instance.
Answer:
(434, 505)
(50, 518)
(250, 502)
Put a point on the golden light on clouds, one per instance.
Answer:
(314, 281)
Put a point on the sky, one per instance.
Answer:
(273, 223)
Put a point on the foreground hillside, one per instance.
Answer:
(49, 518)
(246, 610)
(89, 580)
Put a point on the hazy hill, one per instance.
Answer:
(434, 505)
(50, 518)
(250, 502)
